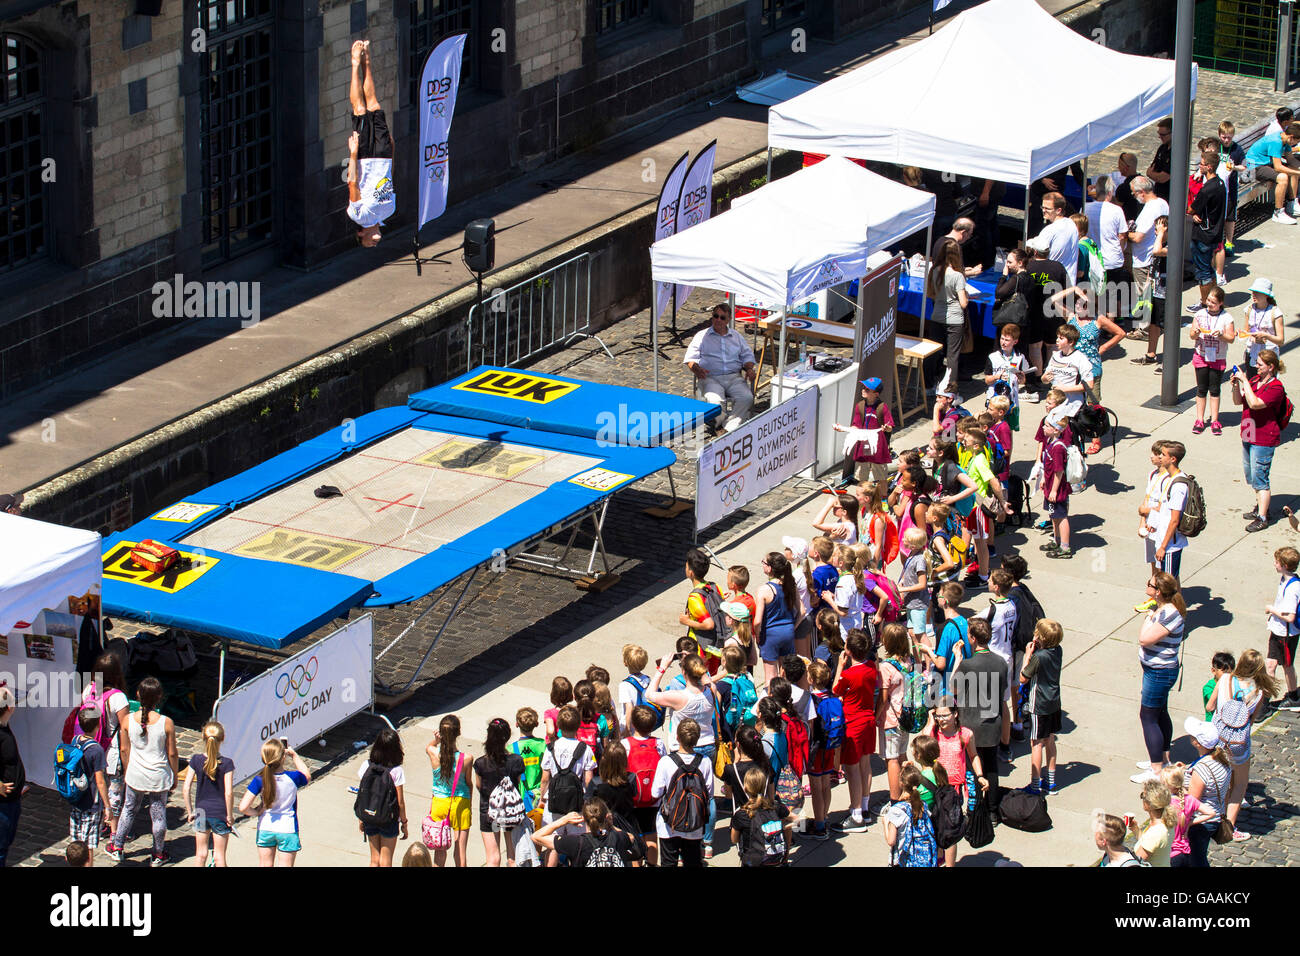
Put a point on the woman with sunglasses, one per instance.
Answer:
(1158, 647)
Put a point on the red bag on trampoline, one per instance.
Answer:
(154, 556)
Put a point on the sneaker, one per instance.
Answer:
(1240, 836)
(114, 853)
(1034, 789)
(1061, 553)
(1051, 788)
(815, 834)
(1145, 606)
(1044, 525)
(1216, 428)
(1259, 524)
(1144, 359)
(1050, 547)
(1146, 776)
(1221, 279)
(1144, 764)
(850, 825)
(708, 854)
(1137, 335)
(1198, 426)
(973, 582)
(1252, 514)
(1283, 218)
(162, 859)
(1004, 751)
(1032, 397)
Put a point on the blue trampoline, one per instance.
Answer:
(400, 503)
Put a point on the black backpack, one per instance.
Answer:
(1026, 811)
(767, 839)
(376, 802)
(565, 792)
(1028, 613)
(1093, 421)
(685, 806)
(946, 814)
(712, 599)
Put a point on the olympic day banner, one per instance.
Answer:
(696, 203)
(763, 452)
(666, 223)
(318, 688)
(438, 85)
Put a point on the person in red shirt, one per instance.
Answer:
(855, 683)
(1265, 404)
(871, 413)
(1056, 490)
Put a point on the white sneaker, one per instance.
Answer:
(1146, 776)
(1221, 279)
(1144, 764)
(1291, 208)
(1283, 218)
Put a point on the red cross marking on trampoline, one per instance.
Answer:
(400, 501)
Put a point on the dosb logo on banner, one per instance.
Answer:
(696, 202)
(763, 452)
(438, 85)
(666, 223)
(318, 688)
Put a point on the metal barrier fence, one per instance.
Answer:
(1241, 36)
(512, 325)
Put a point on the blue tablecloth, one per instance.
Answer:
(979, 311)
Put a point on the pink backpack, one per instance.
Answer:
(91, 697)
(891, 610)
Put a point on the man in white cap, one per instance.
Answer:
(724, 363)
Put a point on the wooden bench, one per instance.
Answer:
(1252, 190)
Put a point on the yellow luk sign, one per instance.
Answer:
(490, 459)
(309, 550)
(118, 566)
(527, 388)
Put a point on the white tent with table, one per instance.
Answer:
(785, 242)
(956, 100)
(50, 582)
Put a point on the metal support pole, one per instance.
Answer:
(654, 333)
(677, 336)
(769, 164)
(1182, 135)
(1025, 235)
(780, 375)
(925, 275)
(1285, 24)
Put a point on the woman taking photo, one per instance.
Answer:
(1264, 400)
(838, 519)
(451, 789)
(1211, 779)
(776, 613)
(946, 285)
(1158, 651)
(386, 754)
(150, 771)
(214, 803)
(278, 842)
(697, 701)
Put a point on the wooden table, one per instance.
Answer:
(797, 328)
(911, 353)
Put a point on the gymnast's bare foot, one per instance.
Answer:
(358, 49)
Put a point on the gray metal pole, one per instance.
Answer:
(925, 276)
(769, 164)
(1024, 239)
(1285, 24)
(654, 333)
(780, 372)
(1182, 137)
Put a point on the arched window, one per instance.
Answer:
(24, 206)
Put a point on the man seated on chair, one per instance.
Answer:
(724, 364)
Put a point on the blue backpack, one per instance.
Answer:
(70, 777)
(740, 708)
(641, 701)
(917, 846)
(830, 712)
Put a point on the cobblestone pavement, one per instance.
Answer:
(514, 614)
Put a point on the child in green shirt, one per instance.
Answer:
(530, 748)
(1222, 663)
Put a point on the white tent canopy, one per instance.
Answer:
(955, 101)
(40, 565)
(787, 241)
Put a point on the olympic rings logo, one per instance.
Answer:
(694, 216)
(437, 172)
(291, 686)
(438, 108)
(731, 491)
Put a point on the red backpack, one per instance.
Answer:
(642, 762)
(887, 542)
(796, 744)
(589, 734)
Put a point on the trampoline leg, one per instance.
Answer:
(597, 520)
(432, 644)
(673, 506)
(423, 614)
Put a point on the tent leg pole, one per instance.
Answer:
(434, 643)
(1025, 233)
(769, 164)
(654, 333)
(780, 374)
(925, 278)
(1084, 201)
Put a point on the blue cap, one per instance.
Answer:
(873, 383)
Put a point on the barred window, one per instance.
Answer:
(24, 199)
(779, 14)
(432, 21)
(615, 14)
(237, 126)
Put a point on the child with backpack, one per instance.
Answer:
(451, 811)
(79, 778)
(956, 756)
(497, 778)
(855, 685)
(824, 574)
(584, 699)
(1004, 374)
(380, 806)
(827, 742)
(1056, 490)
(561, 694)
(738, 587)
(607, 725)
(898, 672)
(739, 619)
(529, 748)
(909, 833)
(954, 640)
(1222, 663)
(1042, 672)
(846, 599)
(644, 751)
(701, 605)
(631, 690)
(567, 770)
(913, 584)
(737, 694)
(214, 801)
(683, 784)
(760, 828)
